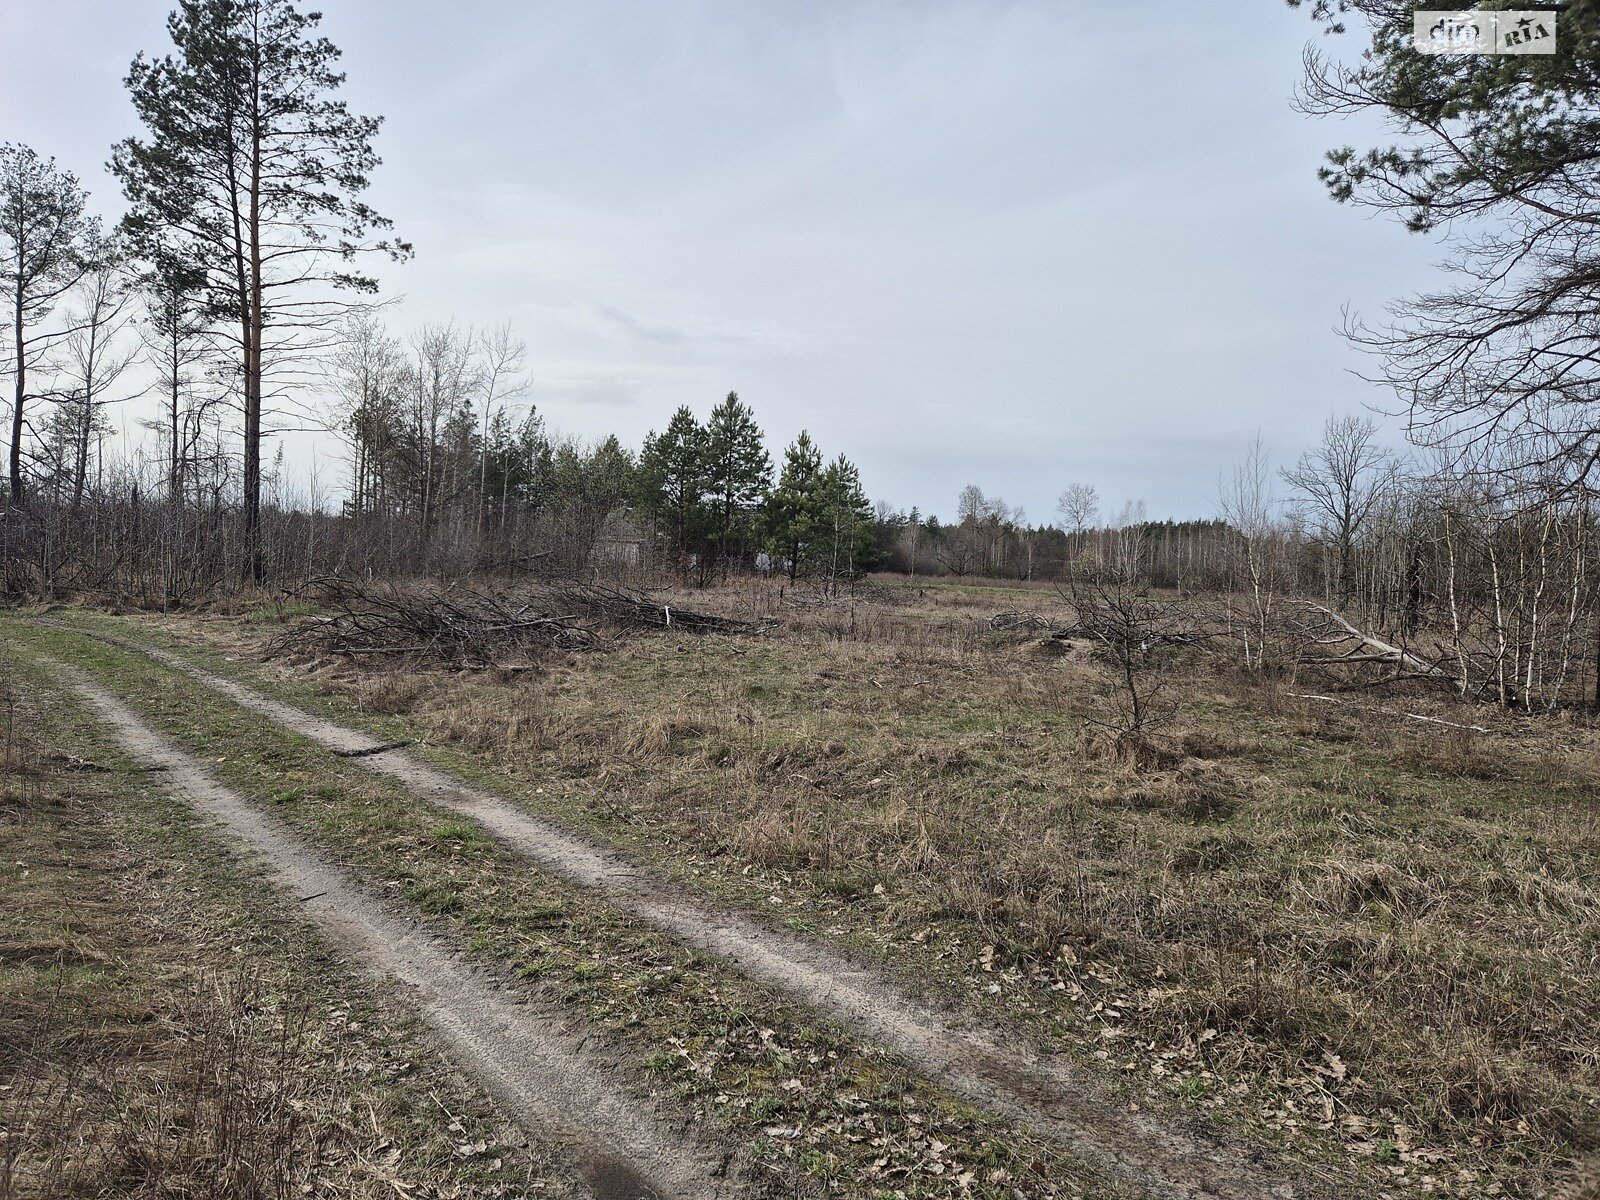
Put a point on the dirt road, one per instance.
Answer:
(529, 1057)
(1048, 1096)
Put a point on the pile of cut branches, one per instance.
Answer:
(454, 626)
(840, 594)
(1117, 630)
(628, 608)
(465, 628)
(1016, 618)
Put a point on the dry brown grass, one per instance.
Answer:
(1331, 923)
(201, 1100)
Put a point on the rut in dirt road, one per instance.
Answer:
(525, 1056)
(1054, 1099)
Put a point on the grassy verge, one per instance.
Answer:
(168, 1028)
(820, 1111)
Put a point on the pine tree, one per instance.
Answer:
(608, 473)
(251, 173)
(790, 516)
(846, 548)
(44, 252)
(738, 474)
(529, 479)
(671, 487)
(1497, 156)
(587, 485)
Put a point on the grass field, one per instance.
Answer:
(1367, 942)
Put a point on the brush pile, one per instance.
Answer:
(1117, 630)
(1016, 618)
(460, 627)
(631, 609)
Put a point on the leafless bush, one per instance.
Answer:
(1139, 634)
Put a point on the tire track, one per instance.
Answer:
(528, 1057)
(1054, 1099)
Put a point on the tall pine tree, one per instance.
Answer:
(790, 516)
(44, 252)
(251, 172)
(738, 474)
(671, 487)
(846, 548)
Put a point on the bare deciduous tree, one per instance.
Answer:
(91, 361)
(440, 382)
(1337, 484)
(1249, 506)
(1079, 507)
(177, 346)
(503, 361)
(366, 374)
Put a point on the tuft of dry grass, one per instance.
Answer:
(208, 1104)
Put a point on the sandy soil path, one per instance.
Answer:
(529, 1058)
(1051, 1097)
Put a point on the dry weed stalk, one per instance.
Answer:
(211, 1112)
(1138, 634)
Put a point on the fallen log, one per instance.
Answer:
(1366, 648)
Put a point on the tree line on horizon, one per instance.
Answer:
(432, 438)
(235, 286)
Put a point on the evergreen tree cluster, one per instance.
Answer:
(430, 443)
(817, 520)
(708, 492)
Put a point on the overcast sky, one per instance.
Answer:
(1016, 244)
